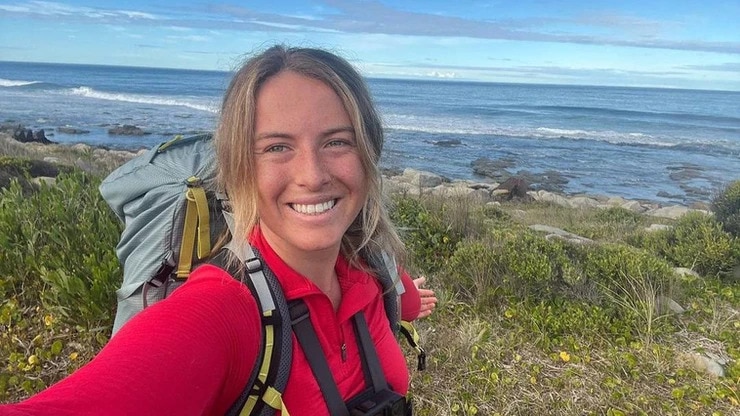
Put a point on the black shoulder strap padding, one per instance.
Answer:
(282, 355)
(370, 360)
(316, 358)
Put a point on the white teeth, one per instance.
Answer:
(313, 209)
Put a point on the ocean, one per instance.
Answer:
(662, 145)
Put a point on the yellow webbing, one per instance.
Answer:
(272, 396)
(413, 338)
(414, 335)
(195, 227)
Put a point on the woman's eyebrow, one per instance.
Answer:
(341, 129)
(273, 135)
(283, 135)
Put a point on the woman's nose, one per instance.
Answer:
(312, 171)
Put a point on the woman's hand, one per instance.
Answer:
(428, 300)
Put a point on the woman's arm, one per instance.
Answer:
(189, 354)
(416, 302)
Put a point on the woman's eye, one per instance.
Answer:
(338, 142)
(275, 148)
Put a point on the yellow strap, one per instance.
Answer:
(274, 399)
(408, 326)
(188, 238)
(413, 338)
(269, 345)
(195, 228)
(204, 228)
(272, 396)
(169, 143)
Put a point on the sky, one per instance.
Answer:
(675, 44)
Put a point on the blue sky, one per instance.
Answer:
(678, 43)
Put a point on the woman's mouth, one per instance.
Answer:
(314, 209)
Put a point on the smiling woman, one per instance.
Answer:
(297, 146)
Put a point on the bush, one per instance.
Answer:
(726, 208)
(475, 272)
(696, 241)
(58, 276)
(429, 239)
(611, 264)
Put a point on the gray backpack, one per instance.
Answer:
(172, 215)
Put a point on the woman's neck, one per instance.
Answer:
(317, 265)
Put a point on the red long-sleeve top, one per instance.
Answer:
(192, 353)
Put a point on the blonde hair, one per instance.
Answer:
(235, 135)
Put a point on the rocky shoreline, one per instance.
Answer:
(408, 181)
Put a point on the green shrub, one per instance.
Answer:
(632, 282)
(726, 208)
(429, 239)
(696, 241)
(58, 245)
(58, 276)
(612, 224)
(534, 265)
(610, 265)
(475, 271)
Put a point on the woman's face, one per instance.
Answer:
(310, 181)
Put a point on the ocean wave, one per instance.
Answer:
(16, 83)
(140, 99)
(475, 128)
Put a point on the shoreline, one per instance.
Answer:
(409, 181)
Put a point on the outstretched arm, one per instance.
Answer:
(416, 302)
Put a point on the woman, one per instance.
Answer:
(298, 145)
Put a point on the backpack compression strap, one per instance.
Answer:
(196, 228)
(413, 338)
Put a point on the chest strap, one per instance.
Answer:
(304, 331)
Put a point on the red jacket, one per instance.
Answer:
(192, 354)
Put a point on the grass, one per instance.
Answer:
(524, 325)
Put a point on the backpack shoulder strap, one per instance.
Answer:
(262, 394)
(387, 269)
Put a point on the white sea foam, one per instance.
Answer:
(15, 83)
(481, 127)
(142, 99)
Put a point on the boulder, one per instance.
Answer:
(557, 233)
(126, 130)
(672, 212)
(420, 178)
(516, 188)
(71, 130)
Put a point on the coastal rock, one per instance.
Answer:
(702, 362)
(44, 180)
(581, 202)
(420, 178)
(557, 233)
(667, 305)
(126, 130)
(545, 196)
(634, 206)
(658, 227)
(448, 143)
(71, 130)
(515, 187)
(461, 189)
(494, 169)
(25, 135)
(683, 272)
(672, 212)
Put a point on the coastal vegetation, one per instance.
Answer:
(631, 319)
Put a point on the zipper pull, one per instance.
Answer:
(344, 352)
